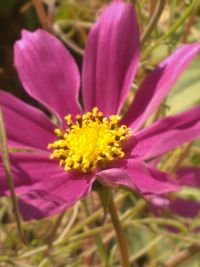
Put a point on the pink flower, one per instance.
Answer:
(50, 75)
(187, 208)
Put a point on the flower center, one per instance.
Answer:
(90, 141)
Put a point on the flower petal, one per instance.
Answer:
(27, 169)
(157, 85)
(114, 177)
(161, 205)
(26, 126)
(168, 133)
(48, 72)
(54, 195)
(189, 176)
(185, 207)
(136, 174)
(111, 58)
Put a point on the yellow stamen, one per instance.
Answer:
(90, 142)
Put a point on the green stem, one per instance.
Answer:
(7, 169)
(153, 21)
(181, 20)
(173, 28)
(119, 233)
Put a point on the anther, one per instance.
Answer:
(111, 143)
(112, 126)
(102, 155)
(79, 120)
(91, 141)
(117, 138)
(80, 160)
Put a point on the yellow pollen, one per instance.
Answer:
(90, 141)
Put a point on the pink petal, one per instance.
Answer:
(111, 58)
(159, 202)
(157, 85)
(185, 207)
(54, 195)
(48, 72)
(28, 169)
(186, 176)
(26, 126)
(136, 174)
(189, 176)
(168, 133)
(114, 177)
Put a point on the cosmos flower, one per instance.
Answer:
(91, 141)
(187, 177)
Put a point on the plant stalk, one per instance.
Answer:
(123, 247)
(9, 178)
(154, 19)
